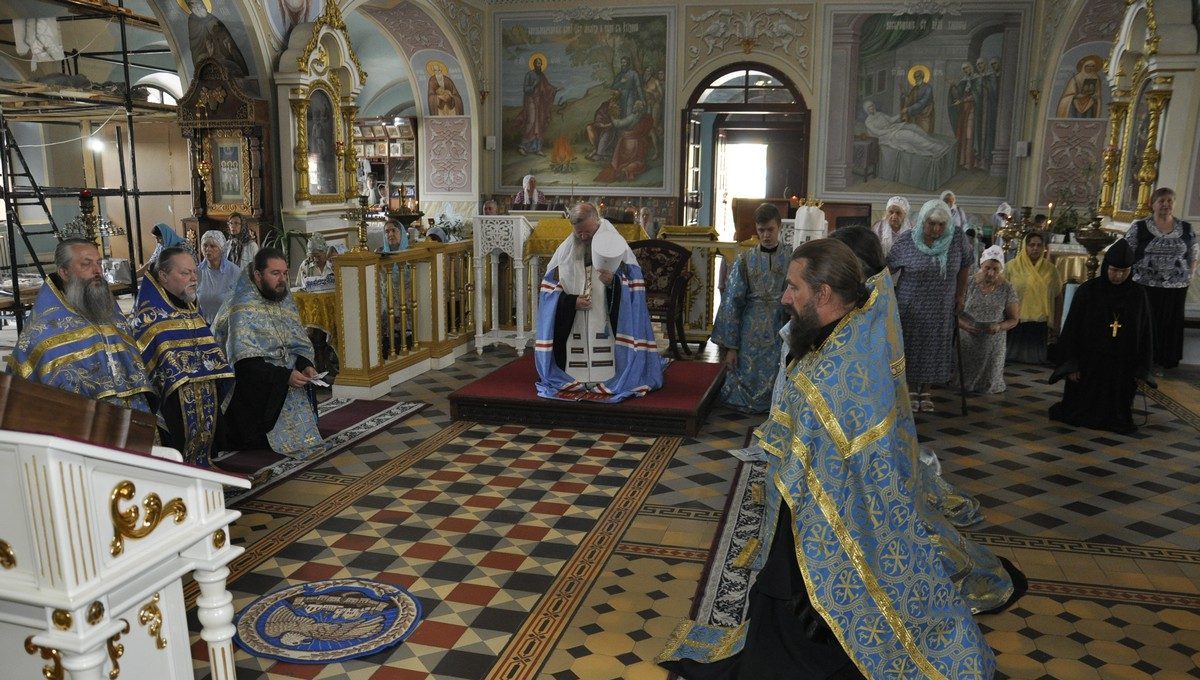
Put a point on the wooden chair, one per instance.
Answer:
(664, 265)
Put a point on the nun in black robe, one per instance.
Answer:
(1104, 348)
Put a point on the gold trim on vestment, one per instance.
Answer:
(59, 340)
(830, 510)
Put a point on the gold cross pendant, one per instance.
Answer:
(1115, 326)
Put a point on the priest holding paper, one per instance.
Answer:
(595, 340)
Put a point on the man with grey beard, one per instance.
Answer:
(187, 368)
(77, 339)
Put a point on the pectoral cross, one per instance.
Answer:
(1115, 326)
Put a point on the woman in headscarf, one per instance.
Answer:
(1038, 285)
(217, 275)
(529, 197)
(1002, 215)
(958, 218)
(989, 311)
(164, 237)
(241, 246)
(1105, 347)
(930, 264)
(894, 223)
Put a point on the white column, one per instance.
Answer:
(214, 608)
(478, 312)
(519, 271)
(87, 665)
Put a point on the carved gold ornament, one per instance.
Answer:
(95, 613)
(126, 523)
(8, 559)
(151, 617)
(219, 539)
(116, 650)
(61, 619)
(53, 671)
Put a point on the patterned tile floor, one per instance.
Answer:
(565, 555)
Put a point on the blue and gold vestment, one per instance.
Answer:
(185, 362)
(60, 347)
(249, 326)
(749, 321)
(842, 450)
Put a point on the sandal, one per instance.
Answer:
(926, 404)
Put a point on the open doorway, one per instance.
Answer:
(746, 136)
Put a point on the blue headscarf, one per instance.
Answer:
(168, 236)
(940, 247)
(387, 247)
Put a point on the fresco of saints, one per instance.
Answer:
(1081, 96)
(443, 96)
(208, 37)
(917, 107)
(537, 100)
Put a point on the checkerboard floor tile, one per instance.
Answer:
(488, 526)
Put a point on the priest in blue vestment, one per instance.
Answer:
(259, 328)
(187, 367)
(853, 583)
(614, 355)
(748, 322)
(77, 338)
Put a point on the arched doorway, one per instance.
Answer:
(747, 117)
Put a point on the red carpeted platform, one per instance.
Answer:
(507, 395)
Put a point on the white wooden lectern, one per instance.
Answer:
(94, 543)
(492, 235)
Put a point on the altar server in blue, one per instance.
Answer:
(607, 356)
(748, 322)
(853, 584)
(187, 367)
(77, 339)
(259, 328)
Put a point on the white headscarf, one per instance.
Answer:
(997, 220)
(900, 201)
(528, 196)
(215, 236)
(993, 252)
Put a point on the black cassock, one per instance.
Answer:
(1108, 363)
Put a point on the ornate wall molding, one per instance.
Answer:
(1099, 21)
(1073, 160)
(467, 22)
(950, 7)
(448, 154)
(412, 29)
(783, 32)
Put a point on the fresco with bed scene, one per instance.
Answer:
(927, 103)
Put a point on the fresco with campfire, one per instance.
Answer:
(582, 100)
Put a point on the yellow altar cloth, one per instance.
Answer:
(319, 310)
(552, 231)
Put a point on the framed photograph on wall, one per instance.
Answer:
(408, 148)
(381, 148)
(357, 131)
(377, 131)
(393, 131)
(394, 148)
